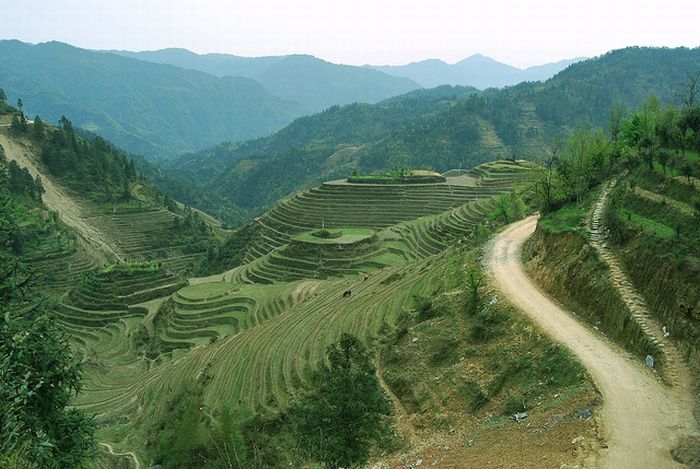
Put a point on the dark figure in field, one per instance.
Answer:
(347, 293)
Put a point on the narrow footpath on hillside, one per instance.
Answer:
(96, 242)
(132, 457)
(642, 419)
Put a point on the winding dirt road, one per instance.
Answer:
(643, 419)
(128, 454)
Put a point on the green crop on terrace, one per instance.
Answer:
(345, 236)
(250, 336)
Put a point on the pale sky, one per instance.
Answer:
(521, 33)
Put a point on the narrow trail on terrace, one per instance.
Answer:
(674, 371)
(97, 243)
(675, 204)
(642, 419)
(403, 421)
(132, 456)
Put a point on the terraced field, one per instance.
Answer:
(64, 266)
(106, 302)
(341, 205)
(144, 233)
(251, 334)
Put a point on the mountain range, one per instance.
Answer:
(152, 109)
(477, 70)
(314, 83)
(169, 102)
(441, 128)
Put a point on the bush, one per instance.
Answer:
(426, 308)
(472, 393)
(443, 351)
(327, 234)
(485, 326)
(515, 404)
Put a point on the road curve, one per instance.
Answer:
(129, 454)
(642, 418)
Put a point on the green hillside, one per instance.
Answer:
(447, 128)
(83, 204)
(318, 264)
(633, 220)
(314, 83)
(488, 273)
(151, 109)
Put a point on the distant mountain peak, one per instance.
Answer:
(477, 70)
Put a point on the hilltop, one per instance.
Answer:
(446, 127)
(314, 83)
(477, 70)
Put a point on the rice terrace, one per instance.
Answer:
(225, 261)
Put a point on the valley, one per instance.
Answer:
(451, 277)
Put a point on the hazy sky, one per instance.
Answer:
(521, 33)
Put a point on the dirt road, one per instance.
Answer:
(642, 418)
(129, 454)
(98, 244)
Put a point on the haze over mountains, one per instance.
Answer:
(305, 78)
(172, 101)
(441, 128)
(146, 108)
(477, 71)
(312, 82)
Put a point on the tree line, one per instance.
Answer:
(653, 134)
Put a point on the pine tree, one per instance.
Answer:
(38, 128)
(344, 414)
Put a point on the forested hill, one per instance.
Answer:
(352, 124)
(316, 84)
(442, 128)
(146, 108)
(311, 149)
(585, 91)
(107, 209)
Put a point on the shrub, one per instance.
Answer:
(472, 393)
(426, 308)
(515, 404)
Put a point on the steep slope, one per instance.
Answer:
(107, 211)
(478, 71)
(56, 198)
(625, 385)
(145, 108)
(311, 149)
(247, 343)
(315, 83)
